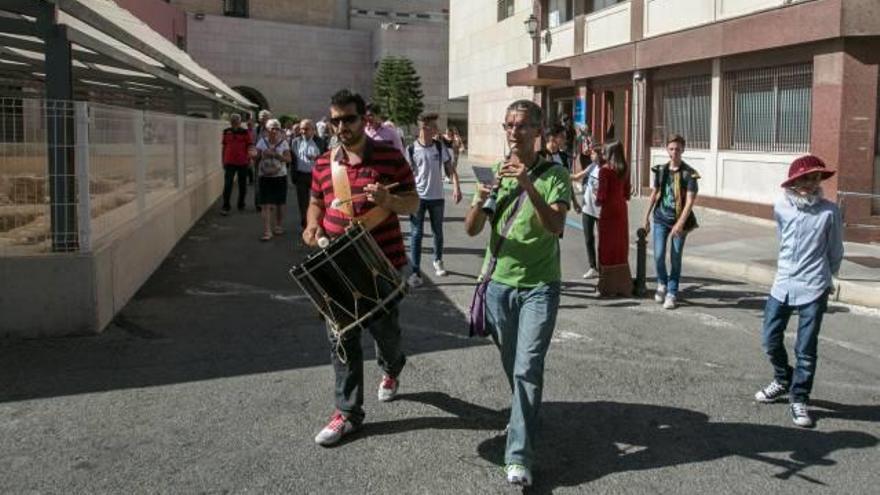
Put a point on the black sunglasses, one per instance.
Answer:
(347, 119)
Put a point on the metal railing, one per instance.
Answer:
(767, 109)
(74, 173)
(683, 106)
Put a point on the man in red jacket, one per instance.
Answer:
(238, 147)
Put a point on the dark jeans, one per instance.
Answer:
(669, 279)
(434, 208)
(303, 183)
(590, 224)
(776, 316)
(230, 172)
(350, 374)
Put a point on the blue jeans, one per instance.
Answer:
(434, 208)
(776, 315)
(670, 280)
(520, 322)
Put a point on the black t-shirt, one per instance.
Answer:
(665, 210)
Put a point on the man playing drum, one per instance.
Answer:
(366, 168)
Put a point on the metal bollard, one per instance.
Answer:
(639, 288)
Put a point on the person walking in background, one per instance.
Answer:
(430, 161)
(379, 131)
(304, 150)
(238, 149)
(323, 130)
(524, 273)
(615, 278)
(590, 211)
(274, 155)
(556, 151)
(452, 140)
(672, 201)
(260, 132)
(252, 132)
(810, 253)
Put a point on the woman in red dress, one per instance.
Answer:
(615, 278)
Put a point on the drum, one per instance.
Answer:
(350, 282)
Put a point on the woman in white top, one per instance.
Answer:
(274, 153)
(589, 178)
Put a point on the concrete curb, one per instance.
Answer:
(845, 291)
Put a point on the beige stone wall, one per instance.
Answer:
(481, 52)
(297, 68)
(486, 139)
(327, 13)
(425, 44)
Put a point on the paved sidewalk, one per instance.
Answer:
(746, 248)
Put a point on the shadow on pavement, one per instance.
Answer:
(222, 304)
(622, 437)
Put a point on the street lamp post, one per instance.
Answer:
(533, 27)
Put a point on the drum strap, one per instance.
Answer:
(342, 191)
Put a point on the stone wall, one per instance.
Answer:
(325, 13)
(296, 67)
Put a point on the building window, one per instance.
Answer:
(235, 8)
(683, 106)
(768, 109)
(505, 9)
(558, 12)
(597, 5)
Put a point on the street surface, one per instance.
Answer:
(216, 377)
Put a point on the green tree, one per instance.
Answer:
(398, 89)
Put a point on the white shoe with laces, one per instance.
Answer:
(660, 295)
(670, 302)
(414, 281)
(388, 389)
(518, 475)
(800, 416)
(338, 427)
(438, 268)
(771, 392)
(591, 273)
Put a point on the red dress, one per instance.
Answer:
(614, 274)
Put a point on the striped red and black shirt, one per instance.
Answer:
(381, 163)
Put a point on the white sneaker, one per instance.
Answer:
(800, 416)
(387, 389)
(591, 273)
(669, 302)
(414, 281)
(771, 392)
(518, 475)
(438, 268)
(660, 294)
(338, 427)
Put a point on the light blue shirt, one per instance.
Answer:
(810, 250)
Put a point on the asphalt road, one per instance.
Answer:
(215, 378)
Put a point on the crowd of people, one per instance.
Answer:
(547, 172)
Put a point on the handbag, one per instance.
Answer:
(270, 167)
(477, 313)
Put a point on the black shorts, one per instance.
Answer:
(273, 190)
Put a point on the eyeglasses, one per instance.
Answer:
(347, 119)
(515, 127)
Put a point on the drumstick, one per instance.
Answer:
(336, 203)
